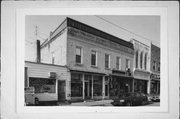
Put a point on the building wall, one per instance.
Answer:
(155, 56)
(57, 48)
(40, 70)
(141, 48)
(86, 42)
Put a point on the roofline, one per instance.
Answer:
(115, 39)
(125, 43)
(140, 42)
(155, 45)
(45, 64)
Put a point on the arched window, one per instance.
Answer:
(145, 61)
(141, 60)
(137, 55)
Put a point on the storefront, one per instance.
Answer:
(121, 82)
(142, 81)
(49, 82)
(140, 86)
(85, 86)
(155, 83)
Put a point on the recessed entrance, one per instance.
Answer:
(61, 90)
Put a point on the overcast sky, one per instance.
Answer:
(145, 29)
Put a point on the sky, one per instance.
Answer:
(145, 29)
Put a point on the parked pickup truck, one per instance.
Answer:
(32, 98)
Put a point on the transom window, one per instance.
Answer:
(78, 55)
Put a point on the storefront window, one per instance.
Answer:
(43, 85)
(97, 85)
(76, 85)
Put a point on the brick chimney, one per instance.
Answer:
(38, 51)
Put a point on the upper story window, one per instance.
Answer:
(118, 63)
(107, 61)
(158, 66)
(154, 65)
(78, 55)
(53, 58)
(145, 61)
(137, 55)
(127, 63)
(141, 60)
(93, 58)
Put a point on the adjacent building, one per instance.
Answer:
(141, 67)
(155, 69)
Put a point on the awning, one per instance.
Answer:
(121, 76)
(87, 72)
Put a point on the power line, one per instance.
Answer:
(124, 28)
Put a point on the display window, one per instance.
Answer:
(97, 85)
(76, 85)
(43, 85)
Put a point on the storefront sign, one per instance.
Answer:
(155, 76)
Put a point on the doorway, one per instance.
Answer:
(61, 90)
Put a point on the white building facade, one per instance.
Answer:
(141, 67)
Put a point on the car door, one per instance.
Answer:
(137, 98)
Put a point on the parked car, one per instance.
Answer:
(45, 98)
(130, 99)
(155, 98)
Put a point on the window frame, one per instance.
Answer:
(108, 61)
(95, 58)
(118, 63)
(81, 55)
(128, 63)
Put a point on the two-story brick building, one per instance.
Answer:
(99, 65)
(155, 69)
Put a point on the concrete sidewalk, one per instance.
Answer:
(93, 103)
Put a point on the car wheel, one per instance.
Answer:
(143, 102)
(128, 104)
(36, 101)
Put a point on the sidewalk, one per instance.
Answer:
(93, 103)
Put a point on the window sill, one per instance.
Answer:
(107, 69)
(78, 64)
(94, 66)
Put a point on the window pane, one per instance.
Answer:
(117, 62)
(42, 85)
(76, 85)
(78, 59)
(137, 59)
(93, 58)
(78, 51)
(78, 55)
(97, 86)
(145, 61)
(106, 61)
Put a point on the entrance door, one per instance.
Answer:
(61, 90)
(87, 90)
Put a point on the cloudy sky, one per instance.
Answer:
(146, 29)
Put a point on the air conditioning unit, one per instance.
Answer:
(52, 74)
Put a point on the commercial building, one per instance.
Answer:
(141, 67)
(98, 64)
(155, 69)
